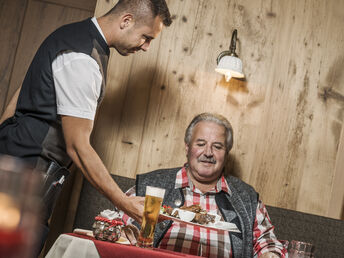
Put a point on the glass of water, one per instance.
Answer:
(300, 249)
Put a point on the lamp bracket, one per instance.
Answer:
(222, 54)
(232, 47)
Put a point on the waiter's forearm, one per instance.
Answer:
(77, 133)
(11, 107)
(94, 170)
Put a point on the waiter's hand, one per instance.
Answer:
(134, 207)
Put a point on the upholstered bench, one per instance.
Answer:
(326, 234)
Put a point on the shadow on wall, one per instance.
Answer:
(232, 166)
(133, 96)
(124, 109)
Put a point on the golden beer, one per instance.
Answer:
(153, 200)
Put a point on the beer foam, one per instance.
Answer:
(155, 191)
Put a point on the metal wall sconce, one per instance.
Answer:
(228, 62)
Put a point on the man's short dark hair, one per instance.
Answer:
(143, 9)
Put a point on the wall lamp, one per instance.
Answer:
(228, 62)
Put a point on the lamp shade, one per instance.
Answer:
(230, 66)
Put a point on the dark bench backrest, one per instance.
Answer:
(91, 202)
(326, 234)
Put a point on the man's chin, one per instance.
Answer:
(127, 53)
(206, 171)
(205, 178)
(207, 164)
(205, 175)
(133, 51)
(124, 53)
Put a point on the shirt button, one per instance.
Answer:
(177, 202)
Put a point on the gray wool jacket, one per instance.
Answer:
(238, 207)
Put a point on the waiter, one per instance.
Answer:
(49, 120)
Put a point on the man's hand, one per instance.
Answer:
(131, 233)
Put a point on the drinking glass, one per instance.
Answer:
(300, 249)
(19, 207)
(153, 200)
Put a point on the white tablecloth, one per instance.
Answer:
(72, 247)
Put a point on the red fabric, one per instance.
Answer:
(109, 250)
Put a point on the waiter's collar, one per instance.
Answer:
(94, 20)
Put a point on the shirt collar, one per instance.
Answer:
(94, 20)
(182, 181)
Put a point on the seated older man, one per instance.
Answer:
(201, 181)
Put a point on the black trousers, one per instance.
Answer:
(54, 178)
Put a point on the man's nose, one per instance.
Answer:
(208, 152)
(145, 46)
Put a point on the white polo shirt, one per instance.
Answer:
(77, 80)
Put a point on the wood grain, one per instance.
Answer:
(103, 7)
(24, 25)
(87, 5)
(40, 20)
(11, 19)
(287, 115)
(337, 196)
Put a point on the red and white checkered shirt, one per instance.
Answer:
(195, 240)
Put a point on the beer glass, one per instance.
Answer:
(153, 200)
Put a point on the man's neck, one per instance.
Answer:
(94, 20)
(105, 26)
(203, 187)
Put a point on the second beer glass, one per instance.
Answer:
(153, 200)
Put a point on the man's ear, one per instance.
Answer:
(127, 21)
(186, 149)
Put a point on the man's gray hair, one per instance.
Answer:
(216, 118)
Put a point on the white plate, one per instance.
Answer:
(219, 225)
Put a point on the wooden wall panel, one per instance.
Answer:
(88, 5)
(11, 19)
(103, 7)
(337, 198)
(41, 19)
(24, 25)
(287, 115)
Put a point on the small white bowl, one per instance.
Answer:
(186, 215)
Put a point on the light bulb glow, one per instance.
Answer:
(228, 76)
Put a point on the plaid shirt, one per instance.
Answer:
(195, 240)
